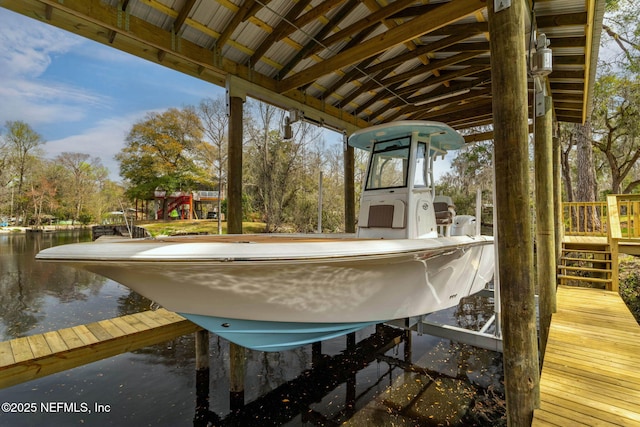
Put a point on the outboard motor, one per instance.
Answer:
(464, 225)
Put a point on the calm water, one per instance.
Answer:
(446, 383)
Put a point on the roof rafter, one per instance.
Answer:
(333, 22)
(182, 16)
(441, 16)
(372, 20)
(281, 30)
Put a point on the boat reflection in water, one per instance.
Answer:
(381, 380)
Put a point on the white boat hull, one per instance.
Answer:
(291, 280)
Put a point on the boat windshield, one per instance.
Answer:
(389, 164)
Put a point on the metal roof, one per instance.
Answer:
(348, 63)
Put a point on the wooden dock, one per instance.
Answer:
(27, 358)
(591, 370)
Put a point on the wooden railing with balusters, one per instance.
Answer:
(617, 218)
(584, 218)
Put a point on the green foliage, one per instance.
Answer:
(471, 170)
(85, 218)
(630, 293)
(160, 153)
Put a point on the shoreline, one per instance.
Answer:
(45, 228)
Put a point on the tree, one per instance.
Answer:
(615, 115)
(21, 150)
(215, 123)
(160, 153)
(273, 165)
(471, 170)
(85, 174)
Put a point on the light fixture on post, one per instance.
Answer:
(543, 57)
(542, 66)
(287, 132)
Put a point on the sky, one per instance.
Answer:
(84, 97)
(79, 95)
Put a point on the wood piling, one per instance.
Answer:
(234, 171)
(509, 91)
(237, 372)
(349, 189)
(545, 233)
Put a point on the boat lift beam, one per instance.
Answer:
(480, 339)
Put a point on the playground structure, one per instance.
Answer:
(185, 205)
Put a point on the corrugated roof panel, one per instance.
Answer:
(358, 13)
(198, 37)
(156, 13)
(205, 11)
(566, 31)
(274, 11)
(559, 7)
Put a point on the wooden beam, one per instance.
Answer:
(383, 68)
(440, 17)
(238, 17)
(561, 20)
(443, 77)
(182, 16)
(372, 20)
(281, 30)
(333, 22)
(514, 239)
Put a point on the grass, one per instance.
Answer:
(202, 226)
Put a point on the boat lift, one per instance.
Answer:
(481, 338)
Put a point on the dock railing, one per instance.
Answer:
(617, 218)
(584, 218)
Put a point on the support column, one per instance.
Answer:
(545, 233)
(234, 170)
(349, 189)
(202, 378)
(237, 372)
(515, 245)
(557, 194)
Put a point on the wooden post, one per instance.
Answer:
(202, 377)
(509, 91)
(237, 372)
(349, 189)
(557, 199)
(545, 236)
(234, 189)
(316, 353)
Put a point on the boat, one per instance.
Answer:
(411, 255)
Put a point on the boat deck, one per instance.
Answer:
(591, 370)
(254, 238)
(27, 358)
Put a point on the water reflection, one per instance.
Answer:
(375, 377)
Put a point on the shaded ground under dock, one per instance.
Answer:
(591, 370)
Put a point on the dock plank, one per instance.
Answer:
(591, 369)
(6, 353)
(39, 346)
(26, 358)
(55, 341)
(21, 349)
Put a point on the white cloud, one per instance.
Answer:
(104, 140)
(26, 46)
(27, 49)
